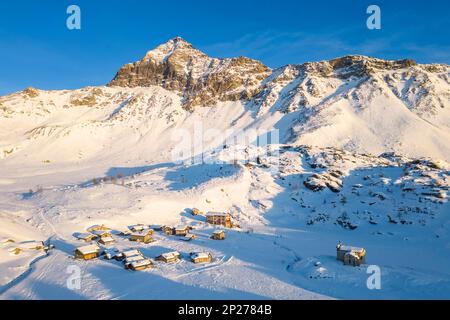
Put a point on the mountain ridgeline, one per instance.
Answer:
(356, 103)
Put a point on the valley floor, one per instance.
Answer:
(285, 247)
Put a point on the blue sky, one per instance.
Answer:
(36, 48)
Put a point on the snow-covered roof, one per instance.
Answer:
(188, 237)
(200, 255)
(134, 258)
(139, 227)
(218, 232)
(93, 248)
(350, 248)
(141, 263)
(100, 232)
(84, 236)
(98, 227)
(142, 233)
(107, 239)
(169, 255)
(131, 252)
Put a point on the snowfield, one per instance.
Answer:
(361, 160)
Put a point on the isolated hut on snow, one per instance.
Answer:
(201, 257)
(353, 256)
(218, 235)
(169, 257)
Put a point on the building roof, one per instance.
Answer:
(217, 214)
(350, 248)
(134, 258)
(170, 255)
(93, 248)
(131, 252)
(141, 263)
(85, 236)
(98, 227)
(139, 227)
(107, 239)
(218, 232)
(182, 228)
(200, 255)
(101, 232)
(142, 233)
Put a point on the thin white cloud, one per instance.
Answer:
(278, 48)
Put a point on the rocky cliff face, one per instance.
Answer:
(202, 80)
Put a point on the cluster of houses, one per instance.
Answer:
(133, 259)
(352, 256)
(100, 233)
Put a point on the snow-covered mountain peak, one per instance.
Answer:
(176, 45)
(198, 78)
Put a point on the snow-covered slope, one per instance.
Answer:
(363, 158)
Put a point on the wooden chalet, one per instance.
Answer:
(168, 230)
(86, 237)
(139, 227)
(169, 257)
(98, 228)
(144, 236)
(130, 259)
(106, 241)
(87, 252)
(131, 252)
(188, 237)
(181, 231)
(201, 257)
(141, 264)
(102, 233)
(218, 235)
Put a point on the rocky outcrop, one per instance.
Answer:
(201, 80)
(30, 92)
